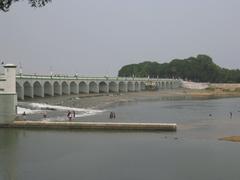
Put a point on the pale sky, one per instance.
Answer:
(96, 38)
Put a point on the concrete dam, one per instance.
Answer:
(13, 87)
(52, 85)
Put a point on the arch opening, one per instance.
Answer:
(142, 86)
(37, 89)
(137, 86)
(130, 86)
(83, 88)
(57, 89)
(122, 87)
(167, 85)
(113, 87)
(28, 90)
(48, 89)
(93, 87)
(103, 87)
(65, 88)
(73, 88)
(163, 85)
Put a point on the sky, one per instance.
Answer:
(97, 38)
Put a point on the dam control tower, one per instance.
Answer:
(8, 96)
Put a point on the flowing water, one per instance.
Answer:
(193, 152)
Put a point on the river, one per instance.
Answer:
(193, 152)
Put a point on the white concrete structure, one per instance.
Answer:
(8, 97)
(42, 86)
(194, 85)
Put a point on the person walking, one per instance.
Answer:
(69, 115)
(24, 115)
(74, 114)
(45, 115)
(111, 115)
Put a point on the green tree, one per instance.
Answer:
(6, 4)
(199, 69)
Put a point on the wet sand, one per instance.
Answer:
(231, 138)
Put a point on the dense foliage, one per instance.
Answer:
(198, 69)
(5, 4)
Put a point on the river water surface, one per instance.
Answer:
(193, 152)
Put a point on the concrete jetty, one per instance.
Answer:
(92, 125)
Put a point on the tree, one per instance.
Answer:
(5, 4)
(199, 69)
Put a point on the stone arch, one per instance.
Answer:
(103, 87)
(48, 89)
(122, 87)
(137, 87)
(171, 85)
(167, 85)
(93, 87)
(28, 89)
(19, 90)
(113, 87)
(174, 84)
(65, 88)
(57, 88)
(37, 89)
(163, 85)
(160, 85)
(142, 86)
(73, 88)
(130, 86)
(83, 87)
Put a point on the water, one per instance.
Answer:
(193, 152)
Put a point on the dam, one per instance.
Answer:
(31, 86)
(21, 86)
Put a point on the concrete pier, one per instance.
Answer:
(92, 125)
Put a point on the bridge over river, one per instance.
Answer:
(58, 85)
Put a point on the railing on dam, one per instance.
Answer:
(55, 85)
(78, 77)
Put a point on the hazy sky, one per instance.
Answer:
(97, 37)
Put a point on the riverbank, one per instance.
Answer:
(231, 138)
(101, 101)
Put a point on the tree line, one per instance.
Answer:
(6, 4)
(198, 69)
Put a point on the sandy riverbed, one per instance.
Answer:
(231, 138)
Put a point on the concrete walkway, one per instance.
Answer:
(92, 125)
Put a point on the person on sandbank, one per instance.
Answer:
(69, 115)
